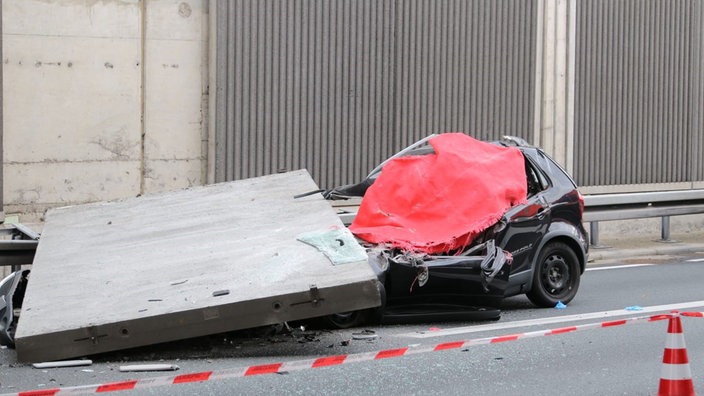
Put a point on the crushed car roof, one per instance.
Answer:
(437, 202)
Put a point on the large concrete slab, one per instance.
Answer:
(177, 265)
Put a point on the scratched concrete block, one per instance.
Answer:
(183, 264)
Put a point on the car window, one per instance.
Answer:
(535, 179)
(420, 147)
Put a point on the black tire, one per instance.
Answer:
(556, 277)
(346, 320)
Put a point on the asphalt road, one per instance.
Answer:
(615, 360)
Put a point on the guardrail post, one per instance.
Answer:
(594, 233)
(665, 229)
(594, 236)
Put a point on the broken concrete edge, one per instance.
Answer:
(109, 337)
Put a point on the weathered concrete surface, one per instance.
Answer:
(72, 119)
(103, 100)
(145, 270)
(176, 66)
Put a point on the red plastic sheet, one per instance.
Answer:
(439, 202)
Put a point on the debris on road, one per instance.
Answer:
(148, 367)
(365, 335)
(63, 363)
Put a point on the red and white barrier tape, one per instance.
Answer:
(692, 314)
(328, 361)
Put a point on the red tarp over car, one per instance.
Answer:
(439, 202)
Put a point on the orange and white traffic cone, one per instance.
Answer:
(675, 376)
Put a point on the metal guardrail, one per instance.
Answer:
(625, 206)
(22, 243)
(608, 207)
(18, 244)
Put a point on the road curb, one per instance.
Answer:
(657, 249)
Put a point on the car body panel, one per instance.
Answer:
(430, 278)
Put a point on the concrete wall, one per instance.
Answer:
(102, 100)
(176, 94)
(2, 211)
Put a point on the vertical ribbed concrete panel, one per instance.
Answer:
(638, 92)
(465, 66)
(697, 63)
(337, 86)
(302, 84)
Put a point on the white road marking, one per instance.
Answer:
(617, 267)
(695, 260)
(556, 319)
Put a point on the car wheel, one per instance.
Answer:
(556, 276)
(346, 320)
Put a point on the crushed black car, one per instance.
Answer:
(538, 248)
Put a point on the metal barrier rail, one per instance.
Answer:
(608, 207)
(626, 206)
(602, 207)
(19, 249)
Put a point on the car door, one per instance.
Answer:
(525, 225)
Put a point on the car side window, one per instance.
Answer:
(535, 182)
